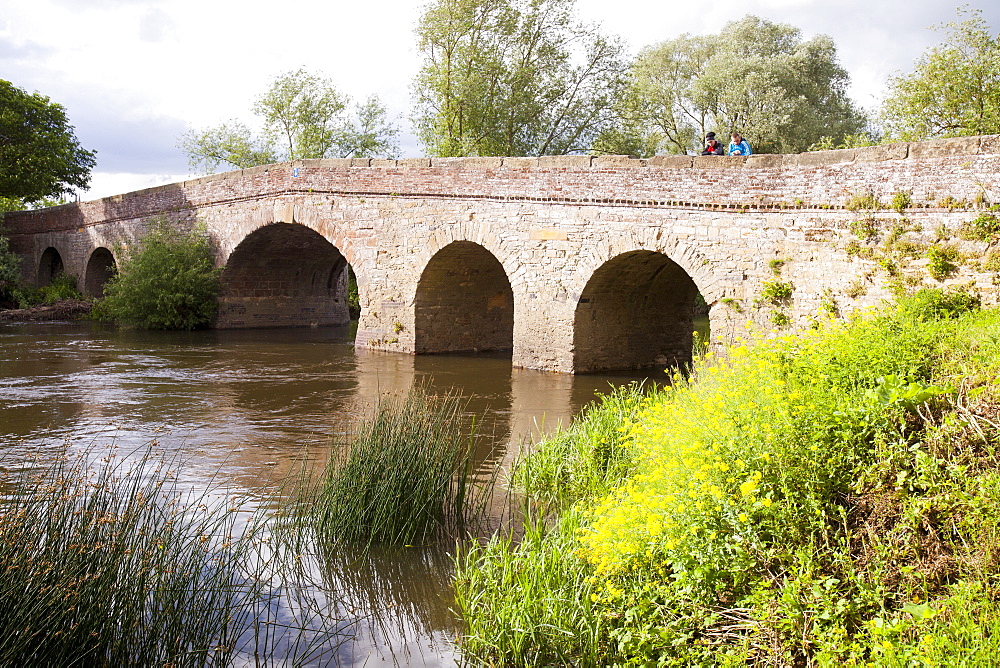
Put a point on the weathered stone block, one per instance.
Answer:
(483, 162)
(989, 144)
(765, 160)
(880, 153)
(520, 163)
(678, 161)
(361, 162)
(821, 158)
(719, 161)
(413, 162)
(383, 162)
(564, 161)
(616, 161)
(331, 162)
(937, 148)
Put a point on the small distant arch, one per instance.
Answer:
(49, 266)
(100, 268)
(464, 302)
(636, 312)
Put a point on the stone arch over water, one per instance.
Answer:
(284, 275)
(464, 302)
(636, 311)
(100, 268)
(49, 266)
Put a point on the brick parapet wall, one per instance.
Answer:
(962, 169)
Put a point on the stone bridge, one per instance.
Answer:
(572, 263)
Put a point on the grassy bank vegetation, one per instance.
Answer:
(112, 563)
(826, 498)
(405, 474)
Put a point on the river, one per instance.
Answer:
(245, 406)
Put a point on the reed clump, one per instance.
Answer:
(406, 473)
(116, 564)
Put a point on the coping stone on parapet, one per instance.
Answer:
(616, 161)
(676, 161)
(383, 162)
(989, 144)
(719, 161)
(413, 162)
(564, 161)
(938, 148)
(483, 162)
(520, 162)
(765, 160)
(881, 153)
(822, 158)
(452, 163)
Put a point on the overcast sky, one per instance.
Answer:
(135, 74)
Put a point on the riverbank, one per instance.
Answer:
(831, 497)
(66, 309)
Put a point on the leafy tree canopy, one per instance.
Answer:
(954, 91)
(760, 78)
(513, 77)
(40, 156)
(303, 116)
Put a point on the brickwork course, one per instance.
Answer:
(574, 263)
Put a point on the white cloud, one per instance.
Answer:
(133, 74)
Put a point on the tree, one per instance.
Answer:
(10, 272)
(303, 116)
(513, 77)
(168, 281)
(954, 91)
(40, 156)
(756, 77)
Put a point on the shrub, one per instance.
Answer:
(168, 281)
(944, 259)
(863, 201)
(865, 229)
(10, 271)
(776, 292)
(901, 200)
(935, 304)
(982, 228)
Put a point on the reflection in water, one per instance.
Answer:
(247, 407)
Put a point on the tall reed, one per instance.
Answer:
(118, 565)
(407, 472)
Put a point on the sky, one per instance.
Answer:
(134, 75)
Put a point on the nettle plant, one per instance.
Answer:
(776, 292)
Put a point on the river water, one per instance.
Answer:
(246, 406)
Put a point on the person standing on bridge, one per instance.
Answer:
(739, 145)
(712, 146)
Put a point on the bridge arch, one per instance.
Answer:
(284, 275)
(100, 268)
(463, 302)
(636, 311)
(49, 266)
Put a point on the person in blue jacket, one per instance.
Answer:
(739, 145)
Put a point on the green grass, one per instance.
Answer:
(404, 475)
(824, 498)
(112, 562)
